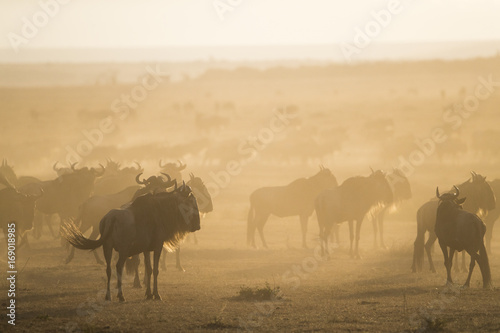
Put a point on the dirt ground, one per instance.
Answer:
(377, 293)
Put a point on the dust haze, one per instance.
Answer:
(241, 123)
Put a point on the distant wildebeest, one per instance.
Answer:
(116, 178)
(173, 169)
(151, 222)
(351, 201)
(64, 195)
(60, 170)
(401, 190)
(16, 208)
(294, 199)
(460, 230)
(8, 172)
(493, 214)
(480, 199)
(95, 207)
(205, 206)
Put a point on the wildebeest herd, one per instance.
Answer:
(131, 214)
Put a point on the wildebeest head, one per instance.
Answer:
(400, 185)
(450, 199)
(484, 192)
(188, 207)
(155, 184)
(17, 207)
(60, 170)
(8, 171)
(112, 167)
(201, 194)
(382, 186)
(173, 169)
(326, 178)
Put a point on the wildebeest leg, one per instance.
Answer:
(178, 259)
(260, 220)
(95, 235)
(358, 231)
(375, 230)
(488, 235)
(448, 261)
(119, 274)
(108, 252)
(163, 260)
(428, 250)
(351, 236)
(380, 221)
(464, 268)
(147, 272)
(70, 255)
(303, 225)
(471, 267)
(156, 259)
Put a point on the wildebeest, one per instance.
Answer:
(95, 207)
(480, 199)
(116, 178)
(8, 172)
(151, 222)
(18, 208)
(351, 201)
(401, 191)
(204, 201)
(296, 198)
(64, 195)
(493, 215)
(460, 230)
(174, 170)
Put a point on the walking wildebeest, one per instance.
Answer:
(480, 199)
(493, 215)
(296, 198)
(460, 230)
(151, 222)
(95, 207)
(351, 201)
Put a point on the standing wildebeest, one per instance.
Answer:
(460, 230)
(351, 201)
(18, 208)
(401, 190)
(95, 207)
(8, 172)
(151, 221)
(480, 200)
(296, 198)
(493, 214)
(205, 205)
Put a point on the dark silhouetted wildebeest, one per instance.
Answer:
(151, 222)
(351, 201)
(294, 199)
(173, 169)
(480, 199)
(460, 230)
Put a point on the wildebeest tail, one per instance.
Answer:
(76, 238)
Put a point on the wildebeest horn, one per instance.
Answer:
(3, 162)
(143, 182)
(161, 166)
(55, 168)
(457, 191)
(99, 174)
(473, 175)
(437, 192)
(181, 166)
(139, 167)
(191, 176)
(372, 169)
(73, 166)
(166, 175)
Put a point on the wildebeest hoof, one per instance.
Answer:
(157, 297)
(137, 285)
(180, 269)
(121, 298)
(149, 297)
(108, 297)
(68, 260)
